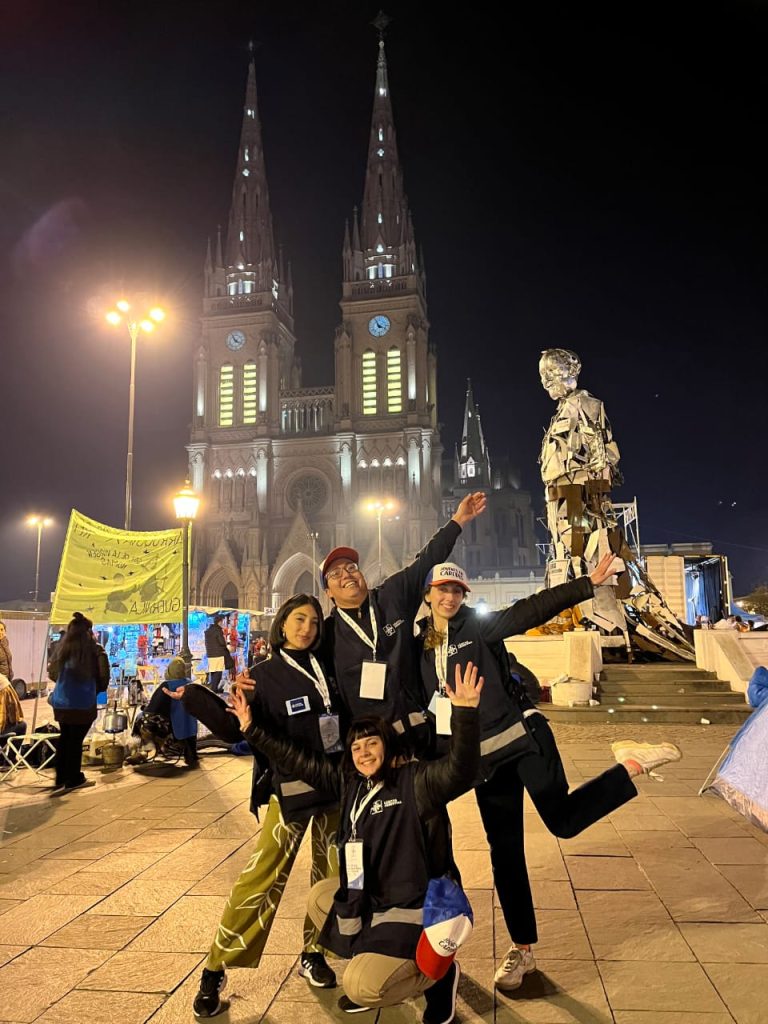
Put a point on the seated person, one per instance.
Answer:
(11, 715)
(164, 717)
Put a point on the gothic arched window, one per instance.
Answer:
(230, 597)
(226, 395)
(249, 392)
(369, 383)
(394, 380)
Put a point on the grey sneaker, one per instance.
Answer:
(514, 967)
(649, 756)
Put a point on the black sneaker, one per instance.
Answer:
(347, 1006)
(207, 1002)
(441, 998)
(314, 968)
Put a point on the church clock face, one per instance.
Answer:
(235, 341)
(379, 325)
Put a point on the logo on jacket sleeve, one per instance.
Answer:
(391, 627)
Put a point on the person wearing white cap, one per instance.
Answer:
(517, 748)
(369, 634)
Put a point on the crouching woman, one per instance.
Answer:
(394, 835)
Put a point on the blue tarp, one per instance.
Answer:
(742, 780)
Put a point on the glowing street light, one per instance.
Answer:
(378, 507)
(186, 503)
(123, 314)
(40, 522)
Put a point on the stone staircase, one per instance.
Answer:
(662, 692)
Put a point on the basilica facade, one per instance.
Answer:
(288, 472)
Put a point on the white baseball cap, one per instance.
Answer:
(447, 572)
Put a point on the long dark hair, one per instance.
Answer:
(370, 725)
(77, 650)
(276, 638)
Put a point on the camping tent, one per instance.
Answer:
(742, 779)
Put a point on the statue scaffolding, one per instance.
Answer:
(579, 467)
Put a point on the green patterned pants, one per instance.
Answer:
(255, 896)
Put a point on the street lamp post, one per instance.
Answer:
(314, 536)
(122, 314)
(378, 507)
(186, 504)
(40, 522)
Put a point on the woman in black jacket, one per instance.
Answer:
(294, 697)
(394, 835)
(517, 748)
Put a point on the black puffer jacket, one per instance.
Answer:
(435, 783)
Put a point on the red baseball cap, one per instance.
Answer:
(349, 553)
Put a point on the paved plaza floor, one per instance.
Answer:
(109, 898)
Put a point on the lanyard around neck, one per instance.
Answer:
(441, 663)
(318, 678)
(360, 632)
(358, 808)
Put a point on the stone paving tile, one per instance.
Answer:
(180, 797)
(552, 895)
(249, 993)
(102, 1008)
(733, 851)
(742, 988)
(41, 915)
(188, 819)
(132, 863)
(136, 971)
(659, 987)
(645, 1017)
(480, 942)
(147, 813)
(631, 926)
(636, 841)
(235, 824)
(751, 882)
(605, 873)
(601, 840)
(121, 831)
(728, 943)
(137, 897)
(192, 861)
(160, 840)
(8, 905)
(560, 992)
(544, 860)
(40, 977)
(692, 889)
(86, 882)
(97, 931)
(83, 850)
(641, 820)
(8, 953)
(36, 879)
(188, 926)
(55, 835)
(475, 868)
(286, 936)
(561, 936)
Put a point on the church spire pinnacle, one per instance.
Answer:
(474, 463)
(251, 256)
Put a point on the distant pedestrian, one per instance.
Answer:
(6, 658)
(81, 670)
(217, 652)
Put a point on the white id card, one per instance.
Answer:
(443, 716)
(330, 733)
(353, 860)
(372, 680)
(297, 705)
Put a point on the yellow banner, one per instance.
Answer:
(118, 576)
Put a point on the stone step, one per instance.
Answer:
(616, 673)
(671, 698)
(646, 715)
(635, 686)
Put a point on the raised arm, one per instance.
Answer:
(410, 580)
(439, 782)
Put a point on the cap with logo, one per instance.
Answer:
(446, 572)
(334, 556)
(447, 921)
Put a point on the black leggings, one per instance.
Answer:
(69, 754)
(565, 814)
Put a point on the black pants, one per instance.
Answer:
(69, 754)
(214, 681)
(565, 814)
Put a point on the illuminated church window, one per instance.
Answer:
(249, 393)
(226, 395)
(394, 381)
(369, 383)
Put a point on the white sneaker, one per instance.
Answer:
(648, 755)
(514, 967)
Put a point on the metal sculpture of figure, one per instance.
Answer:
(579, 467)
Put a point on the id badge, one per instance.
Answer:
(353, 860)
(297, 705)
(330, 733)
(372, 680)
(443, 716)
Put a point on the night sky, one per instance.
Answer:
(583, 175)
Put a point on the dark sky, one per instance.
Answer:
(583, 175)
